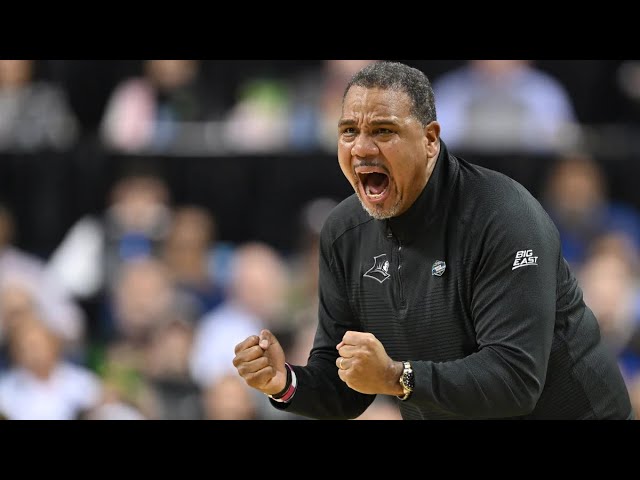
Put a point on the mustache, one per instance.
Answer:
(372, 164)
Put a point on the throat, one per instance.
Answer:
(376, 183)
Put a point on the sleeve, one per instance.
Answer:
(320, 392)
(513, 308)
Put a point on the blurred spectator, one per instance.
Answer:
(577, 200)
(259, 121)
(120, 396)
(608, 286)
(134, 224)
(634, 395)
(316, 104)
(167, 369)
(306, 262)
(147, 340)
(628, 82)
(112, 410)
(88, 85)
(256, 300)
(186, 251)
(26, 285)
(229, 398)
(609, 283)
(147, 112)
(492, 106)
(143, 297)
(303, 295)
(126, 395)
(34, 115)
(41, 385)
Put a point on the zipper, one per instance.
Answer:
(399, 269)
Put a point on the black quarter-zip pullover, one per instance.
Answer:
(470, 286)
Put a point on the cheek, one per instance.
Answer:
(345, 166)
(407, 170)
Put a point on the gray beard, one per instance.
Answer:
(379, 213)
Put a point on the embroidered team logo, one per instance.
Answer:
(380, 269)
(438, 268)
(524, 258)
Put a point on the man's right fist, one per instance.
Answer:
(260, 361)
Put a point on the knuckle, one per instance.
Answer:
(263, 362)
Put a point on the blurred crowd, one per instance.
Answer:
(134, 313)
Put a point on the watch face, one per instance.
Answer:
(407, 378)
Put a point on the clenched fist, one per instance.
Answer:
(364, 365)
(260, 361)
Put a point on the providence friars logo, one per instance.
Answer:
(380, 269)
(438, 268)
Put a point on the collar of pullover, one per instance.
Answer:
(429, 205)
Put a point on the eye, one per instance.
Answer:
(384, 131)
(349, 131)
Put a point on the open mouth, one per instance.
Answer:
(375, 183)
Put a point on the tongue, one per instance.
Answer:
(377, 182)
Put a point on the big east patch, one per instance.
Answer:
(524, 258)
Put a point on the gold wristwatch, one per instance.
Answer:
(407, 381)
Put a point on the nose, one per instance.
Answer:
(364, 147)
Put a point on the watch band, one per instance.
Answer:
(406, 380)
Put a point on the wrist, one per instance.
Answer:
(286, 394)
(396, 369)
(287, 384)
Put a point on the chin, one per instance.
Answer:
(380, 212)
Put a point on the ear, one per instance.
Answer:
(432, 138)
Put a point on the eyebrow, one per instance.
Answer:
(375, 123)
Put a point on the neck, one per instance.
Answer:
(431, 201)
(431, 164)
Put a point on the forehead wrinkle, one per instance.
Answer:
(375, 108)
(384, 98)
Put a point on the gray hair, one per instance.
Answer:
(403, 78)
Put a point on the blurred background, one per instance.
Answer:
(154, 213)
